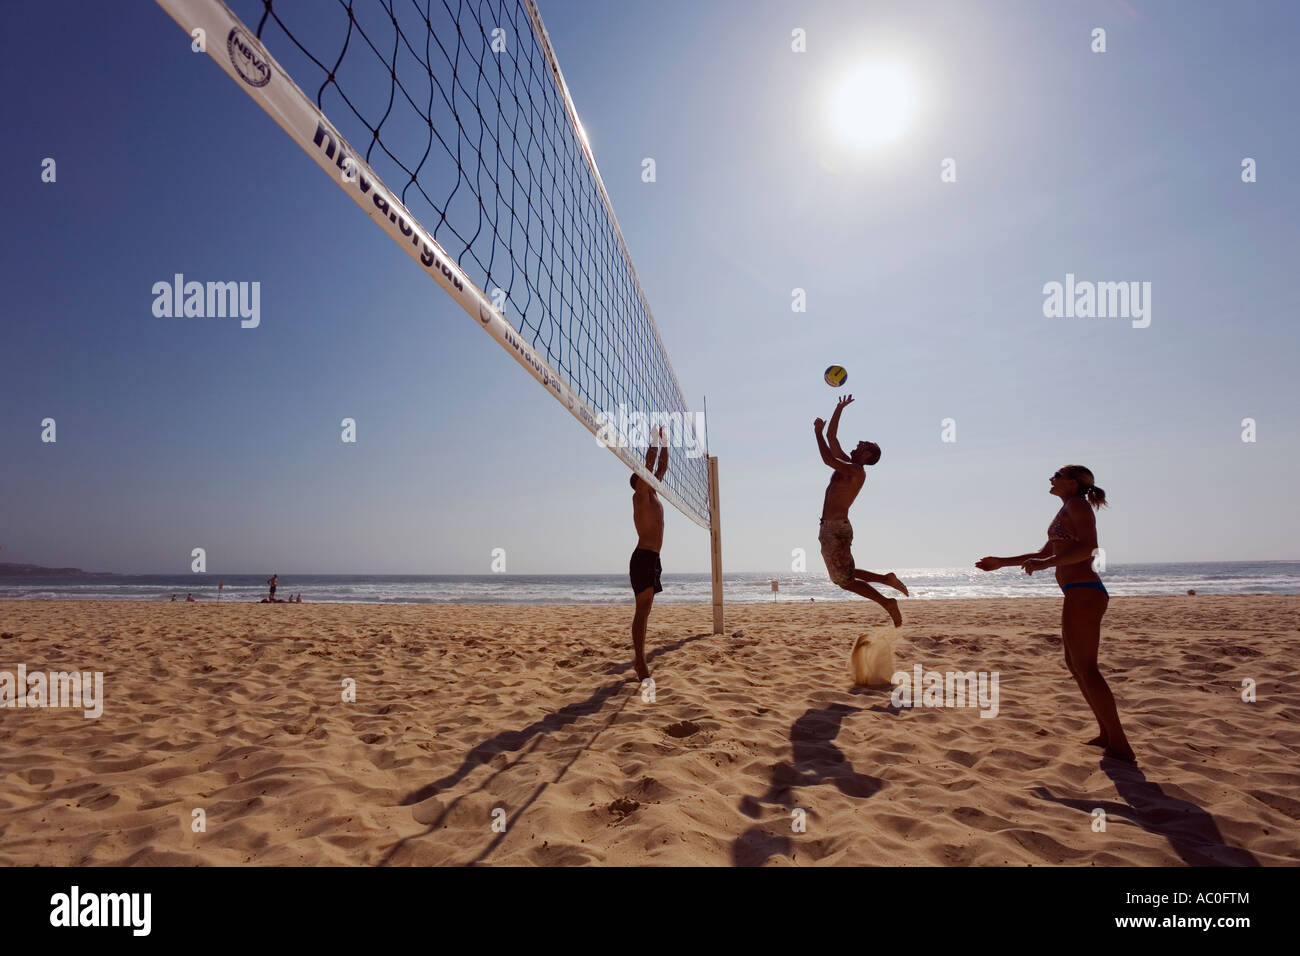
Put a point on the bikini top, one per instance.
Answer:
(1056, 530)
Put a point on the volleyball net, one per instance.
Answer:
(450, 124)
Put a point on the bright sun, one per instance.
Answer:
(873, 104)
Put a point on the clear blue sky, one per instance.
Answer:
(176, 433)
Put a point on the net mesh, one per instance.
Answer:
(456, 109)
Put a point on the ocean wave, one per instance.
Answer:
(613, 589)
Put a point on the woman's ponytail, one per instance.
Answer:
(1096, 497)
(1087, 490)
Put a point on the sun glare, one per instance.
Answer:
(873, 104)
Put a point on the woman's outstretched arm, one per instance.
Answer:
(993, 564)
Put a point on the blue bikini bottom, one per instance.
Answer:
(1086, 584)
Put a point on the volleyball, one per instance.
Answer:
(836, 376)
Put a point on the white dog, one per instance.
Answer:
(872, 660)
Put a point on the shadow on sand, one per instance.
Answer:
(1190, 830)
(815, 761)
(524, 740)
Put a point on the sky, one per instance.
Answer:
(1125, 165)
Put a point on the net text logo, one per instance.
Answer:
(248, 58)
(351, 171)
(542, 370)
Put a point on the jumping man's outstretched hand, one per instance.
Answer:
(988, 564)
(844, 400)
(818, 425)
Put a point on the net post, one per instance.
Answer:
(715, 543)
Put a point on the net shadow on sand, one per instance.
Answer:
(524, 741)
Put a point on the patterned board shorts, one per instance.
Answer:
(836, 539)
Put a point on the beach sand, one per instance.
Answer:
(460, 711)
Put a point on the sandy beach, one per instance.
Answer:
(518, 736)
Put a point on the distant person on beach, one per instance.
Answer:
(644, 569)
(1071, 545)
(836, 536)
(189, 597)
(173, 597)
(274, 579)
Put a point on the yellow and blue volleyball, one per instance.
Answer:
(836, 376)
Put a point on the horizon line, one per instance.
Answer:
(510, 574)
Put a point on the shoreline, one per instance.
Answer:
(659, 604)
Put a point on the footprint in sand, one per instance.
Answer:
(683, 728)
(623, 807)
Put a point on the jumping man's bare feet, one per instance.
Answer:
(891, 605)
(892, 580)
(1099, 741)
(642, 672)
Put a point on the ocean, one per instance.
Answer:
(1241, 577)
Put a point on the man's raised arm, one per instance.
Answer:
(840, 464)
(832, 433)
(651, 453)
(663, 456)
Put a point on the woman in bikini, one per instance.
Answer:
(1071, 545)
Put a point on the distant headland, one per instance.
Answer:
(36, 571)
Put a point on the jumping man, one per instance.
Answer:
(836, 535)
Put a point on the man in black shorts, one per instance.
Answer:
(644, 568)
